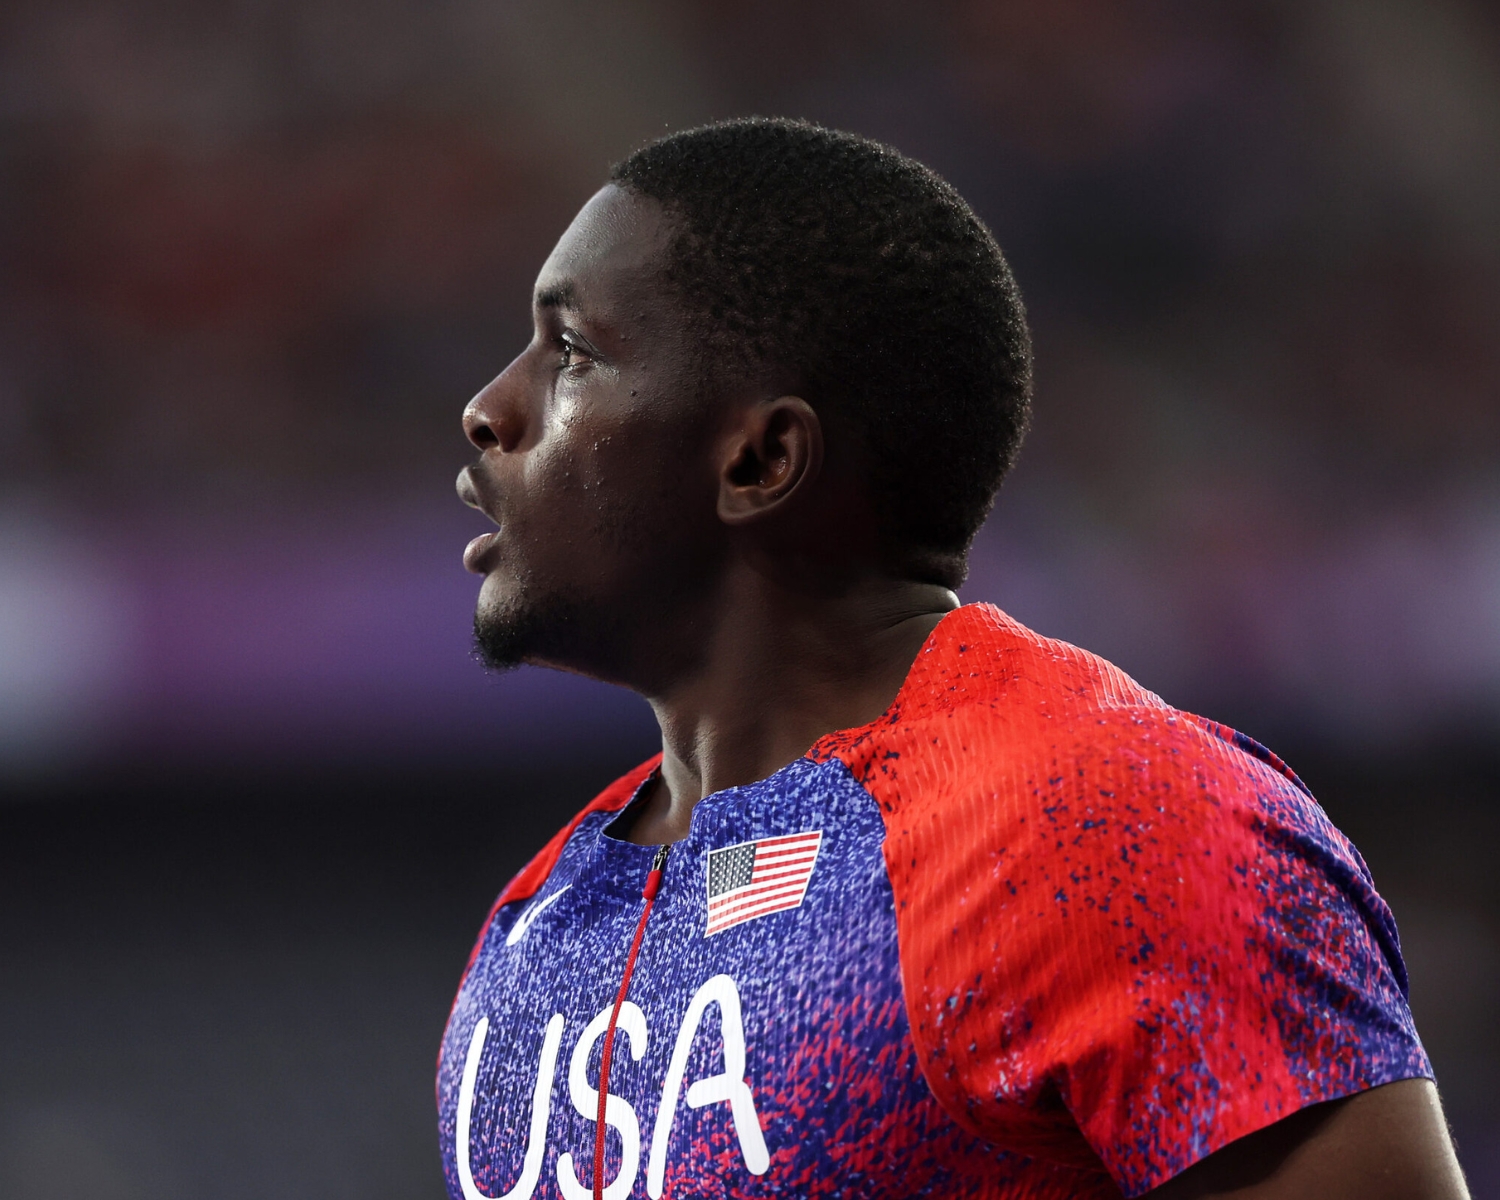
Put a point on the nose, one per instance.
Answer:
(496, 417)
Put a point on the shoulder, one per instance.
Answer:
(1118, 921)
(1042, 778)
(990, 705)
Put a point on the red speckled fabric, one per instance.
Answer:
(1127, 935)
(1032, 935)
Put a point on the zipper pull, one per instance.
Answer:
(653, 880)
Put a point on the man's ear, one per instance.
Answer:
(776, 450)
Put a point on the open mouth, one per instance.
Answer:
(477, 551)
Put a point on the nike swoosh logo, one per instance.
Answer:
(523, 922)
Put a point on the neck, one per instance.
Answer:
(778, 671)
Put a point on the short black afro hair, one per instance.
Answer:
(837, 263)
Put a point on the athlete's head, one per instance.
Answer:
(762, 340)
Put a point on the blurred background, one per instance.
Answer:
(255, 255)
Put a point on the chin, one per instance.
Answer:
(503, 637)
(495, 646)
(518, 630)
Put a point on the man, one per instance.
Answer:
(914, 902)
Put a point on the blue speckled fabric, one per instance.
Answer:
(836, 1086)
(1058, 940)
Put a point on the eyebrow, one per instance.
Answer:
(560, 295)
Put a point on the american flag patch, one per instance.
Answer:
(755, 878)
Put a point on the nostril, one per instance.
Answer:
(483, 437)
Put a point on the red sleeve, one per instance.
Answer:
(1125, 940)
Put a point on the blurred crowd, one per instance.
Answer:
(258, 254)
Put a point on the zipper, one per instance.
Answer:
(648, 893)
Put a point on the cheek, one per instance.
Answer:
(644, 489)
(575, 510)
(612, 477)
(568, 464)
(576, 494)
(591, 463)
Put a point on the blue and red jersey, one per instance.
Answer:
(1033, 933)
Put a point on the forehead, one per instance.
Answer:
(609, 254)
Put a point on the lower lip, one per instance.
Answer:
(475, 550)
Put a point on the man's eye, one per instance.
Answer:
(572, 354)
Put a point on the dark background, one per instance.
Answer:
(255, 256)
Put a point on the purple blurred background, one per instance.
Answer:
(254, 793)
